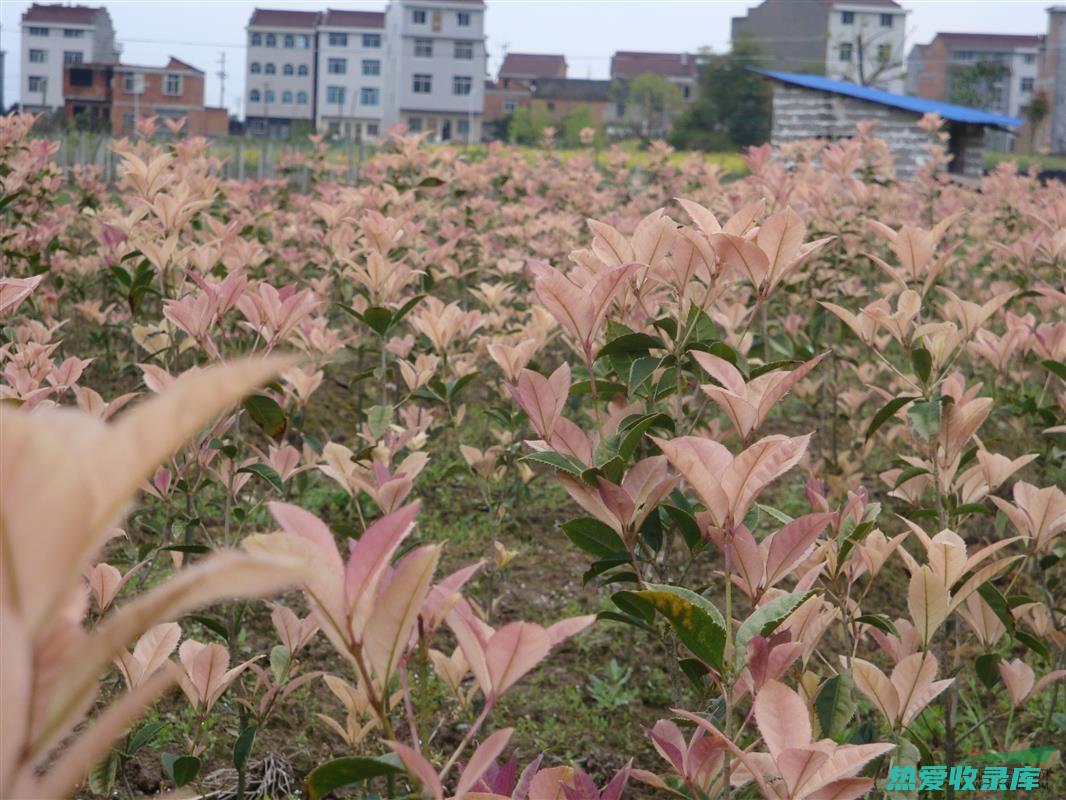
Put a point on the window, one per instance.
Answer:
(255, 68)
(886, 20)
(35, 83)
(371, 129)
(418, 17)
(303, 41)
(73, 33)
(423, 48)
(36, 31)
(464, 51)
(1029, 58)
(335, 95)
(286, 97)
(133, 82)
(271, 40)
(462, 19)
(1027, 84)
(289, 40)
(269, 95)
(423, 84)
(369, 96)
(686, 91)
(257, 40)
(414, 124)
(436, 19)
(301, 98)
(462, 126)
(287, 69)
(37, 56)
(338, 40)
(847, 17)
(270, 69)
(337, 66)
(845, 52)
(371, 66)
(72, 57)
(254, 96)
(462, 84)
(301, 70)
(172, 85)
(509, 106)
(884, 53)
(620, 110)
(371, 40)
(81, 77)
(128, 122)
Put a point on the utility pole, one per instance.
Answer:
(222, 77)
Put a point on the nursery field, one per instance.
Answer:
(519, 474)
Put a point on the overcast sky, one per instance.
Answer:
(585, 31)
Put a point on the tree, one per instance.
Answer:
(577, 120)
(979, 85)
(651, 104)
(874, 62)
(1035, 113)
(528, 123)
(732, 108)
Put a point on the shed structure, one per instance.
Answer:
(816, 107)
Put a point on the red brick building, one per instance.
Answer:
(513, 88)
(113, 96)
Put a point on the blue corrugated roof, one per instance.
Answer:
(919, 105)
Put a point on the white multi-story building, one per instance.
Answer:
(279, 74)
(436, 67)
(854, 40)
(54, 36)
(351, 73)
(865, 43)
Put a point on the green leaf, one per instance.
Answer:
(430, 181)
(456, 386)
(639, 372)
(604, 389)
(765, 620)
(922, 362)
(378, 319)
(908, 473)
(886, 413)
(1033, 644)
(634, 605)
(102, 775)
(186, 548)
(879, 621)
(698, 624)
(242, 748)
(631, 343)
(280, 661)
(594, 537)
(267, 414)
(145, 735)
(378, 419)
(1057, 368)
(213, 624)
(345, 771)
(686, 524)
(987, 666)
(558, 461)
(626, 619)
(998, 603)
(267, 473)
(695, 670)
(835, 704)
(181, 769)
(925, 419)
(1030, 756)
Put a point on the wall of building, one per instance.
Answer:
(441, 108)
(153, 99)
(353, 116)
(791, 31)
(803, 114)
(53, 45)
(283, 86)
(866, 32)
